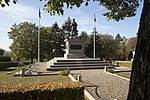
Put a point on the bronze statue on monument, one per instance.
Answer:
(74, 31)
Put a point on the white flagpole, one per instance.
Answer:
(39, 36)
(94, 43)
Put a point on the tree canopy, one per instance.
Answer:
(116, 9)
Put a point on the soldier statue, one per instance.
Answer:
(74, 32)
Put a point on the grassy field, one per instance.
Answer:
(9, 79)
(124, 74)
(125, 64)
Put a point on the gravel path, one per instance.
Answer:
(103, 86)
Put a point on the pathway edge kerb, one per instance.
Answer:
(86, 93)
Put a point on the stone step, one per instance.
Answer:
(75, 68)
(80, 64)
(78, 60)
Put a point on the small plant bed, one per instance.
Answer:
(123, 74)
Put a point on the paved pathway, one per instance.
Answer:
(103, 86)
(40, 68)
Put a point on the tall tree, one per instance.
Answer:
(140, 76)
(24, 36)
(118, 38)
(131, 43)
(108, 47)
(83, 34)
(2, 51)
(47, 41)
(88, 46)
(122, 49)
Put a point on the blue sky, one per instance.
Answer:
(27, 10)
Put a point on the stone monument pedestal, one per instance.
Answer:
(74, 48)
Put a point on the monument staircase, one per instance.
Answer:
(74, 58)
(76, 64)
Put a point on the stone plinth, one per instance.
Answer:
(74, 48)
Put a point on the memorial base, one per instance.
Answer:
(74, 48)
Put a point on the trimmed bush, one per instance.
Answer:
(43, 91)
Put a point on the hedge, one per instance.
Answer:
(43, 91)
(11, 64)
(5, 58)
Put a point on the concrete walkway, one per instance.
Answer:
(103, 86)
(40, 68)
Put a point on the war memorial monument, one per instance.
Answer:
(74, 56)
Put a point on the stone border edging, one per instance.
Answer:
(86, 93)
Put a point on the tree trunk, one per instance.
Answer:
(32, 60)
(139, 88)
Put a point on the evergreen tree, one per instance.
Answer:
(66, 27)
(58, 40)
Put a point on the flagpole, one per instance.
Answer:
(94, 43)
(39, 37)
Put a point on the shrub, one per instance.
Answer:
(43, 91)
(11, 64)
(64, 73)
(5, 58)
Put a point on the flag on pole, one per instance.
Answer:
(39, 13)
(94, 18)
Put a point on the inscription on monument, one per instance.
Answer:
(76, 47)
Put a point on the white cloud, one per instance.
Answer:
(88, 30)
(84, 21)
(19, 12)
(107, 28)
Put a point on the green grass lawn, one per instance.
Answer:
(9, 79)
(124, 74)
(125, 64)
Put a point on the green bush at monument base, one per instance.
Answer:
(43, 91)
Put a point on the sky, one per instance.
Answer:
(27, 11)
